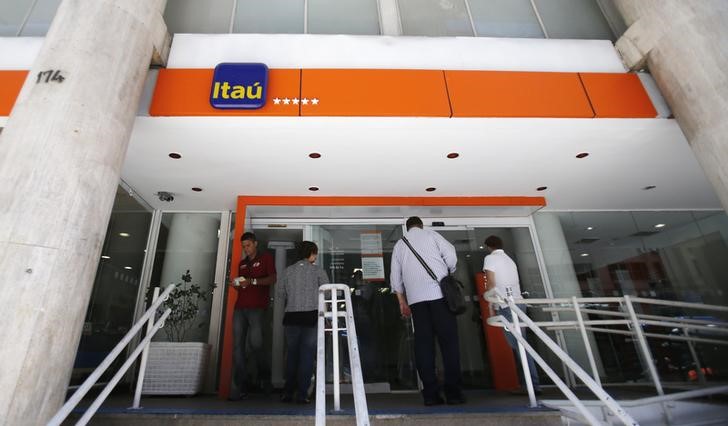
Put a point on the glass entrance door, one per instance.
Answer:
(359, 255)
(468, 242)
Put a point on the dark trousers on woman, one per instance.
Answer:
(434, 319)
(301, 350)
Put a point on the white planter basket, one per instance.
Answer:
(175, 368)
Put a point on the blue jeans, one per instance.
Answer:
(248, 324)
(513, 343)
(300, 353)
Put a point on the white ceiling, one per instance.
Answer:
(230, 156)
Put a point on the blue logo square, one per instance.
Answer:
(239, 86)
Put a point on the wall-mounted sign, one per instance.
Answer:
(239, 86)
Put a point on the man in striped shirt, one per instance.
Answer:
(420, 296)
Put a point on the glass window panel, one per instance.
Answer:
(195, 16)
(343, 17)
(664, 255)
(12, 14)
(110, 311)
(269, 17)
(436, 18)
(574, 19)
(41, 17)
(505, 18)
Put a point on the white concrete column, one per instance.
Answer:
(60, 158)
(564, 283)
(389, 18)
(191, 244)
(277, 365)
(683, 43)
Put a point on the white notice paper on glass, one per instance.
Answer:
(372, 268)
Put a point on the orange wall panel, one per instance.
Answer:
(186, 92)
(380, 93)
(10, 84)
(617, 96)
(517, 94)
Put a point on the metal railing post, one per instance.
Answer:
(587, 346)
(145, 355)
(357, 380)
(77, 396)
(613, 406)
(320, 363)
(522, 352)
(698, 367)
(335, 347)
(646, 353)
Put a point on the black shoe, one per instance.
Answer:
(457, 400)
(238, 397)
(286, 398)
(524, 392)
(437, 400)
(302, 400)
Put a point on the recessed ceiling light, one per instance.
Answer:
(582, 155)
(542, 188)
(127, 267)
(314, 155)
(313, 188)
(660, 225)
(106, 257)
(453, 155)
(175, 155)
(196, 189)
(584, 254)
(648, 187)
(480, 247)
(589, 228)
(123, 234)
(430, 189)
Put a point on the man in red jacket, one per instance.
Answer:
(256, 274)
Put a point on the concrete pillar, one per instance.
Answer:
(60, 158)
(192, 244)
(685, 45)
(564, 283)
(277, 365)
(389, 18)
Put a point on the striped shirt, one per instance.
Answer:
(408, 275)
(299, 286)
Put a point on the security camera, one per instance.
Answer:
(165, 196)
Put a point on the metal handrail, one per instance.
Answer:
(357, 380)
(77, 396)
(634, 323)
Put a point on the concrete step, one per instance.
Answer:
(544, 418)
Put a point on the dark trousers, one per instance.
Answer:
(248, 324)
(433, 319)
(301, 349)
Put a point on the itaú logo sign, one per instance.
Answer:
(239, 86)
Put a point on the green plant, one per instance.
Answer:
(184, 301)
